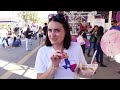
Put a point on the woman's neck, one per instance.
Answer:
(58, 47)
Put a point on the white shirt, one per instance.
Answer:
(75, 56)
(4, 33)
(34, 29)
(24, 29)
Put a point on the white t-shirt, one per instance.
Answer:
(75, 56)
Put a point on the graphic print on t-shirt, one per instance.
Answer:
(70, 66)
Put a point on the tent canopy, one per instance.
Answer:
(7, 21)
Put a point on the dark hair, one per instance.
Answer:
(67, 40)
(114, 21)
(95, 26)
(81, 31)
(40, 27)
(45, 23)
(28, 29)
(14, 39)
(100, 31)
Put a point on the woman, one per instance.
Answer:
(99, 54)
(59, 58)
(92, 40)
(40, 31)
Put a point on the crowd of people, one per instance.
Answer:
(95, 34)
(11, 37)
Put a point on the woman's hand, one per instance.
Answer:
(57, 57)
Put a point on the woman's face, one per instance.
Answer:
(96, 28)
(56, 33)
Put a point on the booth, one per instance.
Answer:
(74, 20)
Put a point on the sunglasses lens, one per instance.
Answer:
(58, 16)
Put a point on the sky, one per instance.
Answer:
(44, 14)
(4, 15)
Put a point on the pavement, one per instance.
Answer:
(109, 72)
(19, 64)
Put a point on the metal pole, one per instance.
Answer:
(110, 18)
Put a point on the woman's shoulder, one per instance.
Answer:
(44, 48)
(75, 44)
(74, 47)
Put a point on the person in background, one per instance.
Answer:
(99, 54)
(93, 40)
(35, 31)
(89, 27)
(45, 28)
(66, 17)
(16, 30)
(115, 25)
(40, 32)
(4, 37)
(81, 26)
(28, 35)
(84, 31)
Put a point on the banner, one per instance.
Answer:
(99, 22)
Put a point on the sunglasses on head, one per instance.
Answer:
(58, 16)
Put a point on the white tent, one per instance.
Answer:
(8, 16)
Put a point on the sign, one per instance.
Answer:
(99, 22)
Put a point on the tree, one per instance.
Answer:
(43, 20)
(29, 16)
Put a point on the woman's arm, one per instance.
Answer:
(49, 74)
(41, 67)
(84, 37)
(93, 32)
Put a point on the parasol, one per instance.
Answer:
(110, 42)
